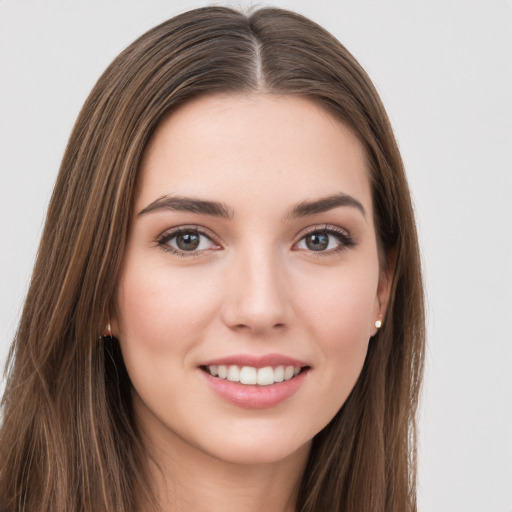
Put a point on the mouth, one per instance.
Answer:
(253, 376)
(255, 382)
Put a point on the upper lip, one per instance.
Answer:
(255, 361)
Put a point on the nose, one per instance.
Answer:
(257, 295)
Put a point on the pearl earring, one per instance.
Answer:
(378, 324)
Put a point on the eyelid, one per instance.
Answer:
(167, 235)
(345, 238)
(316, 228)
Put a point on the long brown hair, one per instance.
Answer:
(68, 440)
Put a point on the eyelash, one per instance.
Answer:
(344, 238)
(164, 239)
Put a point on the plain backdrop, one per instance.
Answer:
(444, 71)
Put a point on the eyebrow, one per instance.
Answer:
(216, 209)
(325, 204)
(188, 204)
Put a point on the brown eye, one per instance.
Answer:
(327, 240)
(317, 241)
(188, 241)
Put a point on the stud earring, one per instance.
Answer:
(378, 324)
(109, 332)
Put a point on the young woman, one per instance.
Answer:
(226, 311)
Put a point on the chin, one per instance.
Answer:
(255, 454)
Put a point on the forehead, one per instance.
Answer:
(268, 149)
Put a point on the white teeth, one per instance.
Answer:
(266, 376)
(288, 372)
(279, 374)
(234, 373)
(249, 375)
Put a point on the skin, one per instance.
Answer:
(254, 286)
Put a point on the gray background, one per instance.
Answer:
(444, 71)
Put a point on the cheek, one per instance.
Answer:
(341, 308)
(161, 308)
(339, 315)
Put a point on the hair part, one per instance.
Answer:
(68, 439)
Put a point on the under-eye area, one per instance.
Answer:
(250, 375)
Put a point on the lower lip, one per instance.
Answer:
(255, 397)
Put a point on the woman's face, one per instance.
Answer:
(252, 256)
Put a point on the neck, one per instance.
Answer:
(186, 479)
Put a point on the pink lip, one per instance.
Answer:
(255, 397)
(255, 361)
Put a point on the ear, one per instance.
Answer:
(384, 287)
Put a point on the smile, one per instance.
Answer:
(250, 375)
(255, 382)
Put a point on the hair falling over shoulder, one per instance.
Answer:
(68, 440)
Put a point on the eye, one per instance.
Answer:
(186, 241)
(326, 239)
